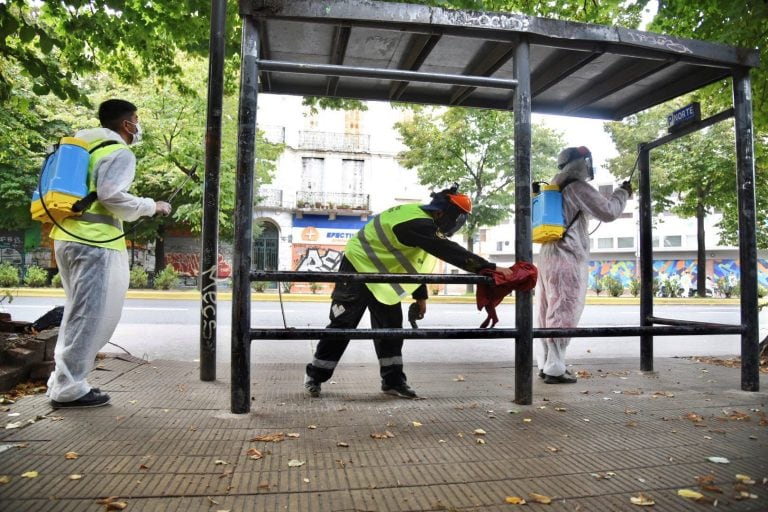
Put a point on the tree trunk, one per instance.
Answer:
(701, 253)
(160, 249)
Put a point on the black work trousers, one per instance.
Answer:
(348, 304)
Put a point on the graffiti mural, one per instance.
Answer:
(625, 270)
(188, 264)
(315, 258)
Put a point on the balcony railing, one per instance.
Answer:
(308, 200)
(328, 141)
(270, 198)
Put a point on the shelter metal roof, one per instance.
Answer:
(576, 69)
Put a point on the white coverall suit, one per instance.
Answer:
(95, 279)
(564, 264)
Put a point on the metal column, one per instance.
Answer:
(646, 256)
(523, 238)
(210, 231)
(246, 154)
(745, 176)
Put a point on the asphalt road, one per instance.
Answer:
(169, 329)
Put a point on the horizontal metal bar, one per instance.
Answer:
(387, 74)
(452, 334)
(722, 116)
(675, 321)
(336, 277)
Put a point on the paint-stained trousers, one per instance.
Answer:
(348, 303)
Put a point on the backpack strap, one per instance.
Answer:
(84, 203)
(575, 217)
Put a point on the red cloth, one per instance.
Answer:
(520, 276)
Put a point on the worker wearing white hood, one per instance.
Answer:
(564, 264)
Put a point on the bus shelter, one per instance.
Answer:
(371, 50)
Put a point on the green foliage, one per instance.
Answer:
(314, 287)
(259, 286)
(167, 278)
(138, 278)
(613, 286)
(475, 149)
(36, 277)
(56, 281)
(762, 291)
(634, 286)
(287, 286)
(9, 275)
(727, 287)
(598, 287)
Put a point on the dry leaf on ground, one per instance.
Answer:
(71, 455)
(30, 474)
(294, 463)
(642, 500)
(690, 494)
(275, 437)
(514, 500)
(539, 498)
(254, 454)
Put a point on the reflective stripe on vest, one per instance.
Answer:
(375, 248)
(96, 223)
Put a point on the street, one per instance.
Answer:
(169, 329)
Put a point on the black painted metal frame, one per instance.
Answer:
(523, 334)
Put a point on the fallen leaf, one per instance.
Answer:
(71, 455)
(29, 474)
(553, 449)
(221, 462)
(13, 425)
(312, 427)
(132, 401)
(514, 500)
(342, 444)
(275, 437)
(480, 441)
(75, 477)
(306, 480)
(479, 432)
(107, 500)
(416, 423)
(692, 416)
(460, 378)
(294, 463)
(745, 479)
(383, 435)
(117, 505)
(560, 409)
(539, 498)
(254, 454)
(642, 500)
(690, 494)
(527, 420)
(293, 435)
(718, 460)
(5, 479)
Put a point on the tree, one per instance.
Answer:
(691, 177)
(474, 148)
(724, 21)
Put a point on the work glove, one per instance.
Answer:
(415, 312)
(520, 276)
(628, 187)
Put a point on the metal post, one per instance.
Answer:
(210, 231)
(745, 172)
(246, 144)
(523, 243)
(646, 255)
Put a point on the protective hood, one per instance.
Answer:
(575, 164)
(94, 134)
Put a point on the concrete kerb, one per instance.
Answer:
(324, 297)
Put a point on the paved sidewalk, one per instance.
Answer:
(169, 443)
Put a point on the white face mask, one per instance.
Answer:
(136, 136)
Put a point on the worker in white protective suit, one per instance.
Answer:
(564, 264)
(92, 258)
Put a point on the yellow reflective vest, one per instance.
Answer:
(96, 223)
(376, 249)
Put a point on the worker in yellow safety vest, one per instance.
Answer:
(405, 239)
